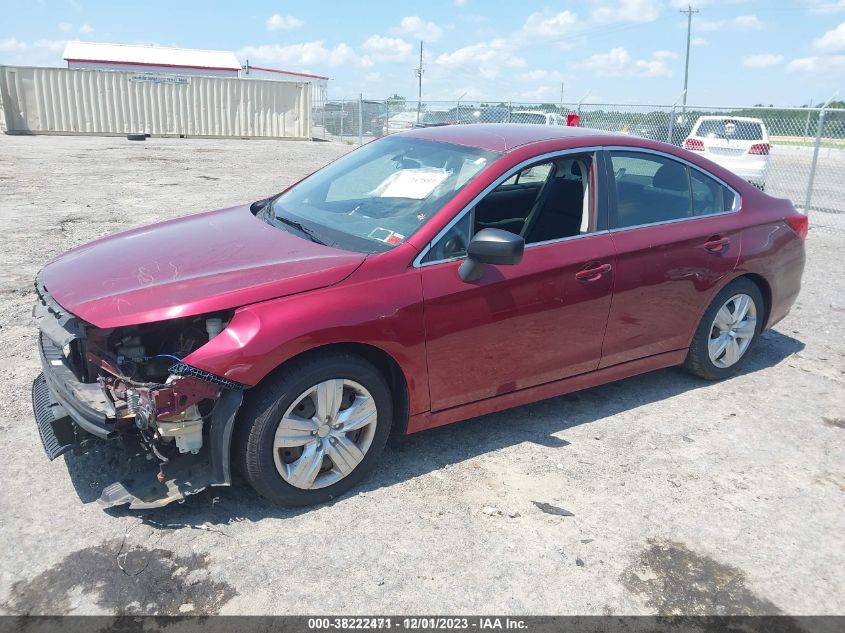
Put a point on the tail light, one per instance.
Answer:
(759, 148)
(799, 223)
(694, 145)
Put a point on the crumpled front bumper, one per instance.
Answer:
(68, 424)
(86, 404)
(72, 415)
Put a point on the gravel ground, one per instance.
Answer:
(656, 494)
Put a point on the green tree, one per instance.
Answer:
(396, 102)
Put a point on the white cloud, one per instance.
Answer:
(371, 77)
(417, 28)
(86, 28)
(739, 23)
(489, 58)
(619, 63)
(461, 3)
(664, 55)
(832, 41)
(831, 64)
(11, 45)
(629, 11)
(545, 75)
(387, 49)
(53, 46)
(549, 26)
(762, 60)
(277, 22)
(825, 7)
(699, 41)
(747, 23)
(540, 93)
(303, 55)
(65, 27)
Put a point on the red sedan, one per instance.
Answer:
(425, 278)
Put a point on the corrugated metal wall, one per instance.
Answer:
(66, 101)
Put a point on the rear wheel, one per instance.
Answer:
(727, 332)
(312, 430)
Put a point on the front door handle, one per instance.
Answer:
(594, 273)
(717, 244)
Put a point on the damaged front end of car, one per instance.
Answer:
(130, 384)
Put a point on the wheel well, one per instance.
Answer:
(765, 290)
(388, 368)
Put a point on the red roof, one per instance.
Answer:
(286, 72)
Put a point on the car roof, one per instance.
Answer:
(503, 137)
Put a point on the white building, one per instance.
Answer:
(181, 61)
(319, 83)
(153, 59)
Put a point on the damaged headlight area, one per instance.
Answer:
(131, 384)
(141, 368)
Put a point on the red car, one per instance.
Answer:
(425, 278)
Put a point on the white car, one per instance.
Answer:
(537, 117)
(400, 122)
(740, 144)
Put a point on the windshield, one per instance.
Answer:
(730, 129)
(376, 197)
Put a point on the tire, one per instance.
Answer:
(699, 361)
(136, 137)
(263, 463)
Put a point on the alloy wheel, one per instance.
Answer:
(325, 434)
(732, 330)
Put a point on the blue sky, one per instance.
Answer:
(623, 51)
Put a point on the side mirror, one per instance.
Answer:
(491, 246)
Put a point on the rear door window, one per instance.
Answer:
(649, 189)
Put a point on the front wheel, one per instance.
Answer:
(727, 332)
(312, 430)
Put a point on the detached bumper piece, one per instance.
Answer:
(142, 490)
(54, 425)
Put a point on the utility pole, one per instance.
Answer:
(419, 72)
(561, 98)
(689, 11)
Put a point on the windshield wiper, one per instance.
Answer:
(299, 227)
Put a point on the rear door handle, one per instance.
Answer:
(716, 244)
(594, 273)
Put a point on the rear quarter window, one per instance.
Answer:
(709, 195)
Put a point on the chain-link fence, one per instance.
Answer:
(802, 149)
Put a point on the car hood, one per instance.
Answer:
(192, 265)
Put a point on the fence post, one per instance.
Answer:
(342, 117)
(672, 114)
(671, 125)
(510, 110)
(811, 179)
(360, 118)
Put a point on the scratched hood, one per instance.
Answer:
(192, 265)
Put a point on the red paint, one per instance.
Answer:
(191, 265)
(287, 72)
(573, 314)
(518, 326)
(107, 61)
(425, 421)
(663, 274)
